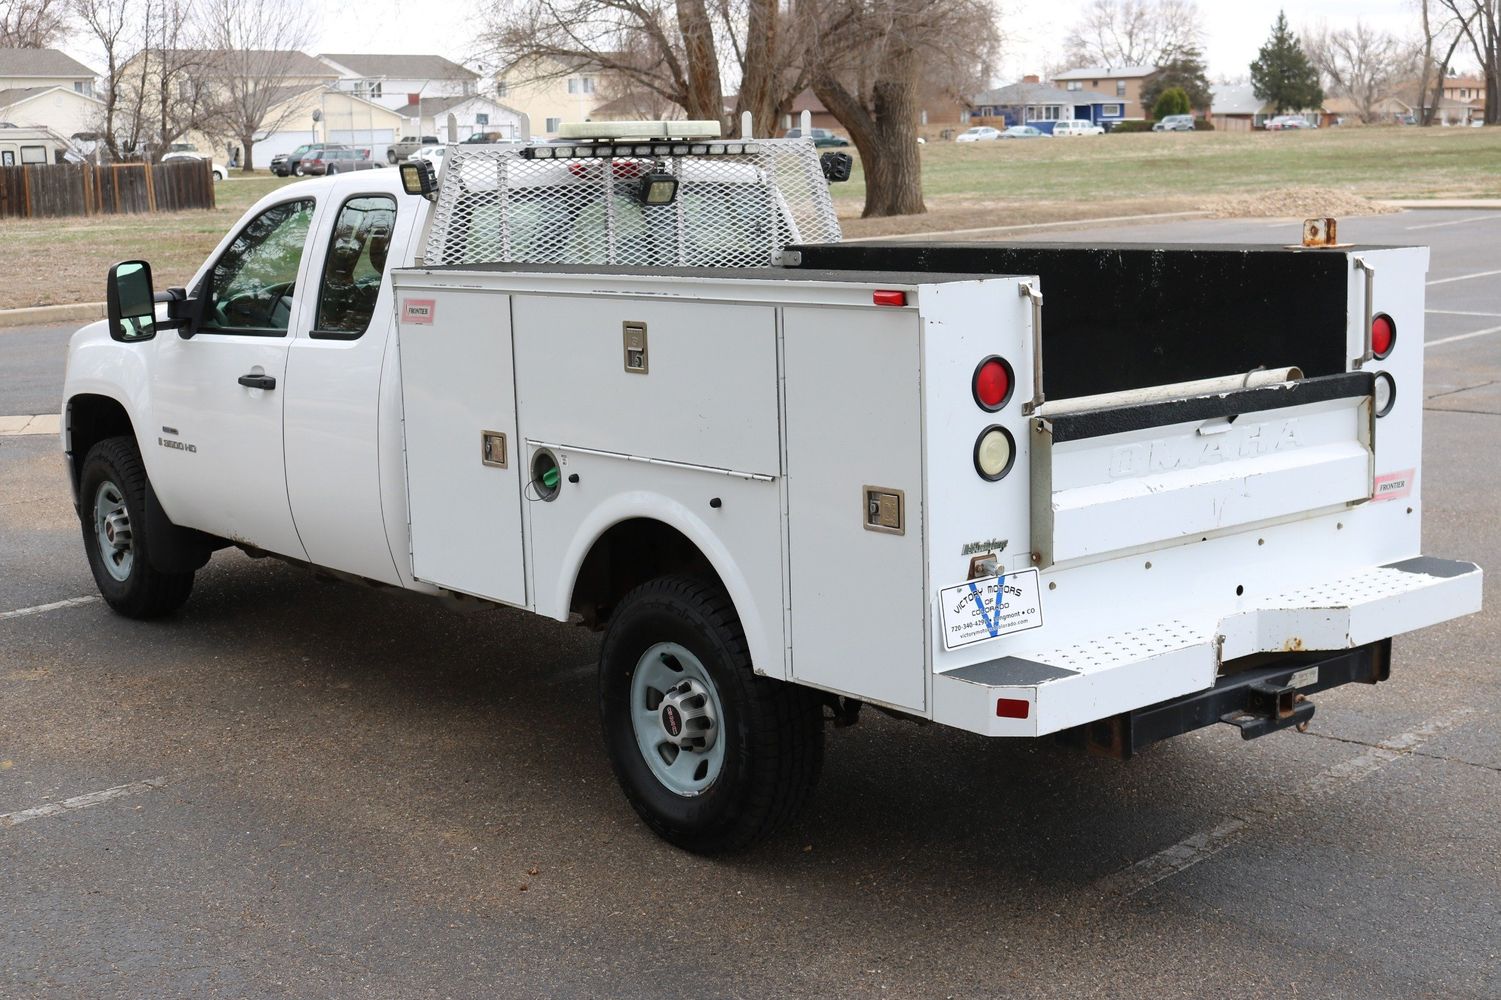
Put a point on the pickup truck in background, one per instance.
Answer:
(635, 382)
(409, 144)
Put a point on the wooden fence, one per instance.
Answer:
(59, 189)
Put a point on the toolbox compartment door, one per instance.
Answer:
(1109, 481)
(458, 397)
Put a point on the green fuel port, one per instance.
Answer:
(546, 476)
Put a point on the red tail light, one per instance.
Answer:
(1383, 335)
(888, 298)
(992, 383)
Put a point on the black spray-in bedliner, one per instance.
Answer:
(1134, 315)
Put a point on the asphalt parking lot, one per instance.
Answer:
(295, 788)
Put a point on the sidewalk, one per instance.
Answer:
(47, 315)
(41, 423)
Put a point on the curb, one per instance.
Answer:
(1492, 204)
(44, 315)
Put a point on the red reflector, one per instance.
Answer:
(889, 298)
(1383, 335)
(992, 386)
(1012, 708)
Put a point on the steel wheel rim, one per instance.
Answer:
(670, 688)
(112, 532)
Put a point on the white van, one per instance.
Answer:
(1077, 126)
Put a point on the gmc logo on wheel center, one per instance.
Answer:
(1166, 454)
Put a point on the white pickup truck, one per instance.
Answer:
(639, 384)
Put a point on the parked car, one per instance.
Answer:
(1023, 132)
(220, 172)
(284, 164)
(1174, 123)
(485, 137)
(1285, 123)
(409, 144)
(1077, 126)
(821, 137)
(432, 154)
(980, 133)
(337, 161)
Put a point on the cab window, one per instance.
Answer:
(353, 266)
(251, 286)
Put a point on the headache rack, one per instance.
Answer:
(738, 203)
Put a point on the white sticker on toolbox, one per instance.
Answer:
(990, 608)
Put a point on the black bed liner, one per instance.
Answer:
(1126, 316)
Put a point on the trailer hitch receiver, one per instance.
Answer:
(1268, 708)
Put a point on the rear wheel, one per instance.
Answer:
(298, 170)
(332, 170)
(112, 512)
(712, 757)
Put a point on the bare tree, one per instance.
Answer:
(1442, 30)
(871, 62)
(32, 24)
(254, 50)
(109, 22)
(1360, 63)
(1134, 32)
(1480, 25)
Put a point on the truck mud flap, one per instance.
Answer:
(1257, 700)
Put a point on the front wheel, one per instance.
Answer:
(112, 511)
(712, 757)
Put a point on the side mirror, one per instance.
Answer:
(836, 166)
(131, 301)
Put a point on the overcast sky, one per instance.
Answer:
(1234, 29)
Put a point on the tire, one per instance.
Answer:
(297, 170)
(391, 156)
(762, 739)
(112, 499)
(331, 171)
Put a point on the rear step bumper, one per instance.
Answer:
(1258, 701)
(1172, 663)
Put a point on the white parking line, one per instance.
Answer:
(1464, 336)
(1461, 312)
(1454, 222)
(1206, 844)
(79, 802)
(71, 602)
(1462, 277)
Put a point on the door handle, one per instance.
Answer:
(258, 381)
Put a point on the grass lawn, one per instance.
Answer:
(53, 261)
(970, 185)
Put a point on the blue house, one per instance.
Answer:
(1040, 105)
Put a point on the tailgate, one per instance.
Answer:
(1112, 480)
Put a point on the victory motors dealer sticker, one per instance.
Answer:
(990, 608)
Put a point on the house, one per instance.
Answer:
(1234, 107)
(454, 119)
(23, 69)
(1463, 101)
(552, 91)
(396, 80)
(1123, 83)
(44, 88)
(1040, 105)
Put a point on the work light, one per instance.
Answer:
(657, 188)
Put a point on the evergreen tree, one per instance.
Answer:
(1185, 69)
(1172, 101)
(1282, 75)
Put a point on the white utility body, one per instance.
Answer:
(820, 477)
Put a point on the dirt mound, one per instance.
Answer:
(1294, 203)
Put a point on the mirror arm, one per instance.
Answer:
(180, 311)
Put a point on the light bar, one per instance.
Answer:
(564, 151)
(639, 130)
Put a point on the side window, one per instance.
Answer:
(33, 154)
(250, 288)
(8, 158)
(353, 267)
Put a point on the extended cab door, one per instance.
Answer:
(217, 397)
(334, 433)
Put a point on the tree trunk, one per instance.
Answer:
(758, 91)
(705, 94)
(885, 133)
(247, 142)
